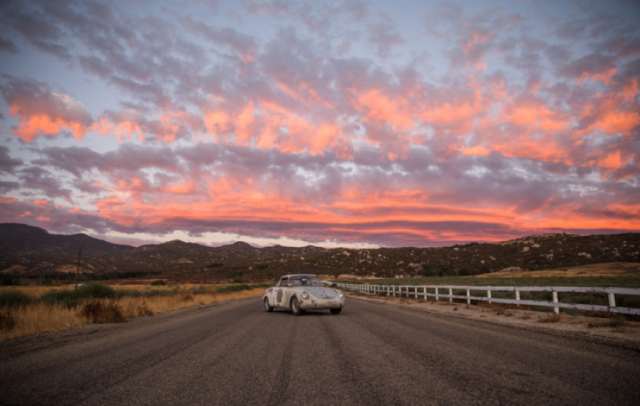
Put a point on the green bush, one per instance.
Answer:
(237, 279)
(13, 298)
(9, 281)
(161, 292)
(71, 298)
(233, 288)
(159, 282)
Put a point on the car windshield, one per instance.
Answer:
(304, 281)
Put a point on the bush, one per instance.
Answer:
(233, 288)
(99, 312)
(72, 298)
(13, 298)
(7, 322)
(159, 282)
(161, 293)
(9, 281)
(216, 265)
(237, 279)
(143, 310)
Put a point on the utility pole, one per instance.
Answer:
(78, 269)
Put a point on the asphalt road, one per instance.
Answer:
(371, 354)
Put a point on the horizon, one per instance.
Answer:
(315, 246)
(342, 123)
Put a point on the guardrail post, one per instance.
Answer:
(450, 294)
(612, 300)
(393, 290)
(436, 294)
(489, 295)
(556, 310)
(517, 297)
(425, 293)
(468, 296)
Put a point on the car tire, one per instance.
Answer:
(295, 307)
(335, 311)
(267, 306)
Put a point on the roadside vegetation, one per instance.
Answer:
(600, 275)
(26, 310)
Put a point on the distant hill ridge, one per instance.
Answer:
(27, 250)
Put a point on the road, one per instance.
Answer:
(372, 354)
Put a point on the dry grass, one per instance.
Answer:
(550, 318)
(39, 318)
(608, 269)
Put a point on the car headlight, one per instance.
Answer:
(305, 295)
(340, 293)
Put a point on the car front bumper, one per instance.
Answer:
(316, 303)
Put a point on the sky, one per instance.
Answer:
(347, 123)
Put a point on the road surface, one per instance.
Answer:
(372, 354)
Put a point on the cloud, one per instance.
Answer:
(384, 36)
(42, 112)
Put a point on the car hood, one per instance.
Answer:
(320, 292)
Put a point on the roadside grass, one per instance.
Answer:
(33, 310)
(598, 275)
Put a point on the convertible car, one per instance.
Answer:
(302, 292)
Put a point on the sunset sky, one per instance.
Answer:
(338, 123)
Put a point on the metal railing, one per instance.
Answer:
(439, 291)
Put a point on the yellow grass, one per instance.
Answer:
(41, 318)
(609, 269)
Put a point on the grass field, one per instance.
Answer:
(617, 274)
(26, 310)
(598, 275)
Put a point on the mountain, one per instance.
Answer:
(23, 240)
(30, 251)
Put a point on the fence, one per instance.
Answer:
(421, 292)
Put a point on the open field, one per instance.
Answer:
(27, 310)
(617, 274)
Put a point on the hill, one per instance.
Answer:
(30, 251)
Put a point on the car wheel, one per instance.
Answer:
(335, 311)
(295, 307)
(267, 306)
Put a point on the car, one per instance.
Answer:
(303, 292)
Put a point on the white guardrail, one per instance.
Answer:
(421, 292)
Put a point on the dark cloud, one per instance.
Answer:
(384, 36)
(8, 46)
(8, 164)
(38, 179)
(29, 97)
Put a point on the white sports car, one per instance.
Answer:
(303, 292)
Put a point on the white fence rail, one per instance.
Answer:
(440, 291)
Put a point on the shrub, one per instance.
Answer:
(7, 321)
(72, 298)
(233, 288)
(143, 310)
(13, 298)
(216, 265)
(9, 281)
(99, 312)
(237, 279)
(120, 293)
(159, 282)
(161, 292)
